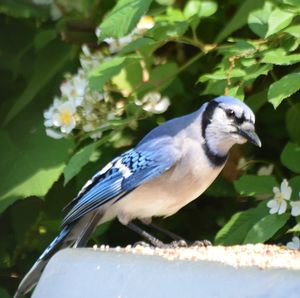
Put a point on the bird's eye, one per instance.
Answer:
(230, 113)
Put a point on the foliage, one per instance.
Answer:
(105, 77)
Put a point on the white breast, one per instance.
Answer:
(166, 194)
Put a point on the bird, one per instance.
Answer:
(170, 167)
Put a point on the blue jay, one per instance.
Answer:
(171, 166)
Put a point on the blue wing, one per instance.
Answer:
(117, 179)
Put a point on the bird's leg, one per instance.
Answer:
(172, 235)
(154, 241)
(178, 241)
(201, 243)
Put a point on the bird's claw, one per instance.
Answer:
(201, 243)
(142, 243)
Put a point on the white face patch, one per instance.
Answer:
(126, 172)
(239, 111)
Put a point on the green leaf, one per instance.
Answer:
(208, 8)
(294, 183)
(215, 87)
(293, 30)
(266, 227)
(30, 165)
(137, 45)
(292, 2)
(45, 67)
(292, 122)
(257, 100)
(290, 157)
(4, 293)
(250, 185)
(123, 18)
(22, 224)
(283, 88)
(160, 77)
(23, 9)
(192, 8)
(258, 19)
(129, 78)
(257, 70)
(278, 20)
(295, 229)
(164, 30)
(222, 75)
(239, 19)
(44, 37)
(236, 229)
(221, 188)
(278, 57)
(78, 160)
(237, 91)
(199, 8)
(106, 70)
(165, 2)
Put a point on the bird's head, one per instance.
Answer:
(227, 121)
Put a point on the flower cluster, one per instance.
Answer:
(153, 102)
(279, 203)
(117, 44)
(79, 107)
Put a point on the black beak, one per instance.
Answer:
(250, 135)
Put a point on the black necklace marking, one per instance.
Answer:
(207, 115)
(215, 159)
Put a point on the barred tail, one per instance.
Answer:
(32, 277)
(76, 235)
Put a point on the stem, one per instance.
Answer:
(180, 69)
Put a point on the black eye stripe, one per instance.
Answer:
(238, 120)
(230, 113)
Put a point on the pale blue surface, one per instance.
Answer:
(88, 273)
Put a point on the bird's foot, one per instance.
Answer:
(178, 244)
(201, 243)
(142, 243)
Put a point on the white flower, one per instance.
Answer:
(265, 170)
(62, 115)
(48, 115)
(294, 244)
(89, 127)
(53, 134)
(117, 44)
(295, 207)
(89, 60)
(74, 88)
(86, 50)
(110, 116)
(98, 32)
(65, 117)
(278, 204)
(55, 11)
(145, 23)
(154, 103)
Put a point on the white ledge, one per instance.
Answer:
(238, 271)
